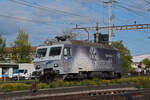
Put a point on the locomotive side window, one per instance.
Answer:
(55, 51)
(67, 51)
(41, 52)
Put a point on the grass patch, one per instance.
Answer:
(42, 85)
(6, 87)
(141, 82)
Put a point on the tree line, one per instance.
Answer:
(20, 50)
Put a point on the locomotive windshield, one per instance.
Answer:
(55, 51)
(41, 52)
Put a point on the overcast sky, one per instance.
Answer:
(43, 19)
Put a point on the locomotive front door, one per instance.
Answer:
(67, 56)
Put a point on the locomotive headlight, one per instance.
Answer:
(42, 73)
(55, 65)
(37, 67)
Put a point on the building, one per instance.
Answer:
(29, 67)
(137, 59)
(8, 69)
(140, 58)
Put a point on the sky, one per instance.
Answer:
(45, 19)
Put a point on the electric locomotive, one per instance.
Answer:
(76, 59)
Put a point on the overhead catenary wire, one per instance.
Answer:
(133, 8)
(129, 5)
(33, 21)
(30, 20)
(52, 10)
(23, 19)
(40, 7)
(147, 1)
(138, 12)
(130, 8)
(132, 11)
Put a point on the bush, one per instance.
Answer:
(105, 82)
(58, 83)
(141, 82)
(69, 84)
(13, 87)
(97, 81)
(43, 86)
(6, 87)
(87, 82)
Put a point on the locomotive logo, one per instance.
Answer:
(48, 62)
(93, 55)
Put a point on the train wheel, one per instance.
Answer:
(46, 78)
(41, 78)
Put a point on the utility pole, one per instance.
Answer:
(110, 20)
(97, 33)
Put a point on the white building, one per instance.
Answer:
(140, 57)
(8, 69)
(137, 59)
(29, 67)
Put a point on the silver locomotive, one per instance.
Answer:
(75, 59)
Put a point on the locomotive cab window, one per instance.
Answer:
(55, 51)
(41, 52)
(67, 51)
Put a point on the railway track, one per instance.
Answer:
(107, 94)
(82, 94)
(97, 95)
(69, 93)
(132, 95)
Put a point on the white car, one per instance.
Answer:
(21, 75)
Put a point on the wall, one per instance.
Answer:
(10, 72)
(29, 67)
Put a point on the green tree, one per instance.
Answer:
(146, 62)
(21, 48)
(2, 49)
(125, 54)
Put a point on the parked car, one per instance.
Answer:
(21, 75)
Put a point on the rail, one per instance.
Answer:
(69, 91)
